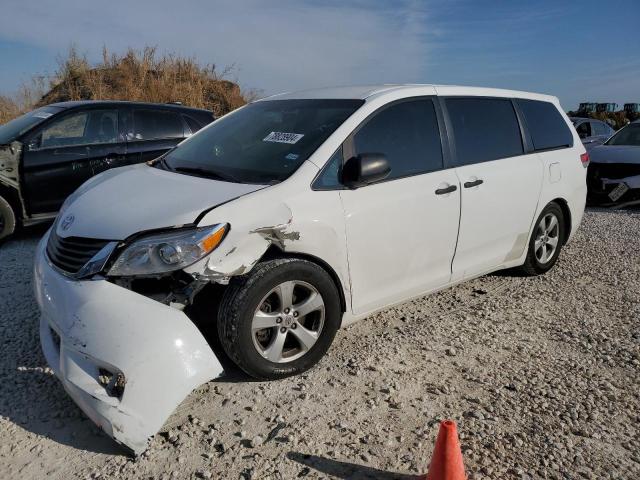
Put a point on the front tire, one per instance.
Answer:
(279, 319)
(546, 241)
(7, 219)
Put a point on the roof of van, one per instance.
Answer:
(85, 103)
(363, 92)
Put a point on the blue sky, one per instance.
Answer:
(577, 50)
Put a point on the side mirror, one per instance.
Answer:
(365, 169)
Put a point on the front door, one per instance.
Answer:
(401, 232)
(500, 184)
(66, 152)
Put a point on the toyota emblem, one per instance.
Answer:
(67, 222)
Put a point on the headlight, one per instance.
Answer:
(167, 252)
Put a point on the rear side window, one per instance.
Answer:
(156, 124)
(484, 129)
(407, 133)
(547, 127)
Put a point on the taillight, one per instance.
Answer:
(584, 158)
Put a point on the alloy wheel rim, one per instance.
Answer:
(288, 321)
(547, 238)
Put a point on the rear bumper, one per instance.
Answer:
(91, 327)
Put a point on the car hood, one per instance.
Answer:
(124, 201)
(615, 154)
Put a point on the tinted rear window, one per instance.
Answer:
(150, 124)
(484, 129)
(547, 127)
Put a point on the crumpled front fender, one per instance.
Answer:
(89, 327)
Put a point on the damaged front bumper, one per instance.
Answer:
(613, 184)
(126, 360)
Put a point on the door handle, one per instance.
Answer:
(474, 183)
(445, 190)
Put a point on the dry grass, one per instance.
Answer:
(135, 75)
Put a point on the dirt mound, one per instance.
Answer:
(144, 76)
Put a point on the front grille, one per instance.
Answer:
(71, 254)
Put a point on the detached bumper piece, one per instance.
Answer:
(126, 360)
(613, 184)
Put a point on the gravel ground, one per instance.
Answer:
(541, 375)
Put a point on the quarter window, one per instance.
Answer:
(156, 124)
(81, 128)
(484, 129)
(547, 127)
(329, 179)
(407, 134)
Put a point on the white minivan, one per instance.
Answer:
(285, 220)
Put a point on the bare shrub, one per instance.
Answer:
(136, 75)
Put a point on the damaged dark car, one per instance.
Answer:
(49, 152)
(613, 177)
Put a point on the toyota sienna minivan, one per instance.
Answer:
(287, 219)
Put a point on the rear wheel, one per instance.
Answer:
(7, 219)
(279, 319)
(546, 242)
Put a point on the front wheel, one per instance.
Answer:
(7, 219)
(279, 319)
(546, 242)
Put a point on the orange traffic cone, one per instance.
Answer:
(446, 461)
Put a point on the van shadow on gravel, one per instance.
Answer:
(32, 398)
(343, 470)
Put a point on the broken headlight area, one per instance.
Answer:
(176, 288)
(152, 265)
(166, 252)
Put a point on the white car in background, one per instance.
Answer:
(287, 219)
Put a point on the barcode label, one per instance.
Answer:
(283, 137)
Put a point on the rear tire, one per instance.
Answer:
(280, 318)
(549, 233)
(7, 219)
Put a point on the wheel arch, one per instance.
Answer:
(566, 212)
(11, 195)
(275, 252)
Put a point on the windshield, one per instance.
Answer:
(16, 127)
(264, 142)
(629, 135)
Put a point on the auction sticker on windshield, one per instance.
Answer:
(283, 137)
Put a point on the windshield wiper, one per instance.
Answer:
(203, 172)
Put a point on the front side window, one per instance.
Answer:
(81, 128)
(156, 124)
(16, 127)
(484, 129)
(546, 125)
(264, 142)
(407, 134)
(629, 135)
